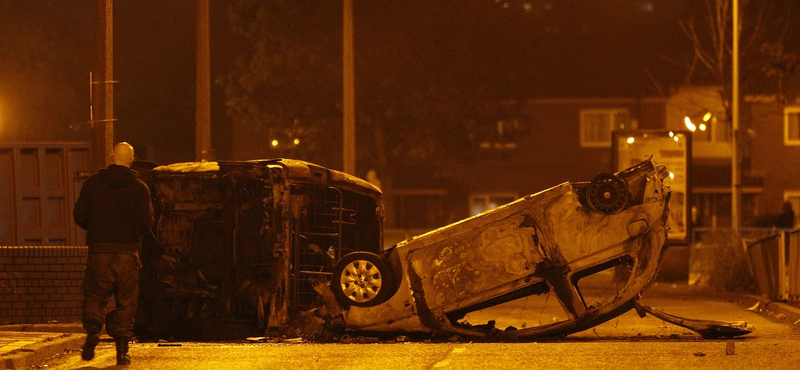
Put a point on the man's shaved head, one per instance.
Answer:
(123, 154)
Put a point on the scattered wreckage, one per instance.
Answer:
(285, 243)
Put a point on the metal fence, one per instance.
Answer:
(717, 254)
(775, 263)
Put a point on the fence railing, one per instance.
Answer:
(775, 263)
(716, 253)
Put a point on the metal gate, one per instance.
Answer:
(39, 183)
(319, 240)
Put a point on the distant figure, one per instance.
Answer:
(372, 178)
(786, 218)
(115, 209)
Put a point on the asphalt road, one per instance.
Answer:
(627, 342)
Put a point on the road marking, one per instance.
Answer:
(446, 360)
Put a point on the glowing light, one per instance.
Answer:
(707, 117)
(671, 134)
(688, 122)
(274, 142)
(630, 140)
(296, 141)
(671, 175)
(702, 127)
(676, 138)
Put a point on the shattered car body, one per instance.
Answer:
(240, 241)
(542, 243)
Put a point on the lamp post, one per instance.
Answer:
(736, 177)
(101, 86)
(348, 103)
(203, 91)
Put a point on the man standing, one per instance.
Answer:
(115, 209)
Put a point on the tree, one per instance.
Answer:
(784, 67)
(285, 82)
(764, 30)
(422, 89)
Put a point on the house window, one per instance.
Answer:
(708, 127)
(479, 203)
(791, 126)
(597, 125)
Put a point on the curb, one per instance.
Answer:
(33, 354)
(777, 310)
(44, 328)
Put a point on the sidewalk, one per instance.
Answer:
(23, 346)
(777, 310)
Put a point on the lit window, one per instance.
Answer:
(479, 203)
(598, 124)
(706, 127)
(791, 126)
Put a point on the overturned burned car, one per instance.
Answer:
(290, 245)
(546, 242)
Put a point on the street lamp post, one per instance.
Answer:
(102, 88)
(348, 103)
(203, 98)
(736, 194)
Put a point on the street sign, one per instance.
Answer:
(672, 149)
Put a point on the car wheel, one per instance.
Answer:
(607, 194)
(362, 279)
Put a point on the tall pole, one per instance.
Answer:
(736, 176)
(349, 106)
(203, 94)
(102, 112)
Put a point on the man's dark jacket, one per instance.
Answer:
(115, 209)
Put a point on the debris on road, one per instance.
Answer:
(708, 329)
(730, 348)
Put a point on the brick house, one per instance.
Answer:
(569, 139)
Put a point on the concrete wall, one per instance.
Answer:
(41, 284)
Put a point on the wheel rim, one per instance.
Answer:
(608, 194)
(361, 281)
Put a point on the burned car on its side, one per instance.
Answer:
(285, 244)
(239, 242)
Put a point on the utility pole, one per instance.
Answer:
(736, 176)
(102, 87)
(348, 104)
(203, 94)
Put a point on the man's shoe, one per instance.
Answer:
(122, 352)
(88, 348)
(123, 359)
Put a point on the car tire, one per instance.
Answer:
(607, 194)
(362, 279)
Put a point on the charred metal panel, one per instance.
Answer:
(708, 329)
